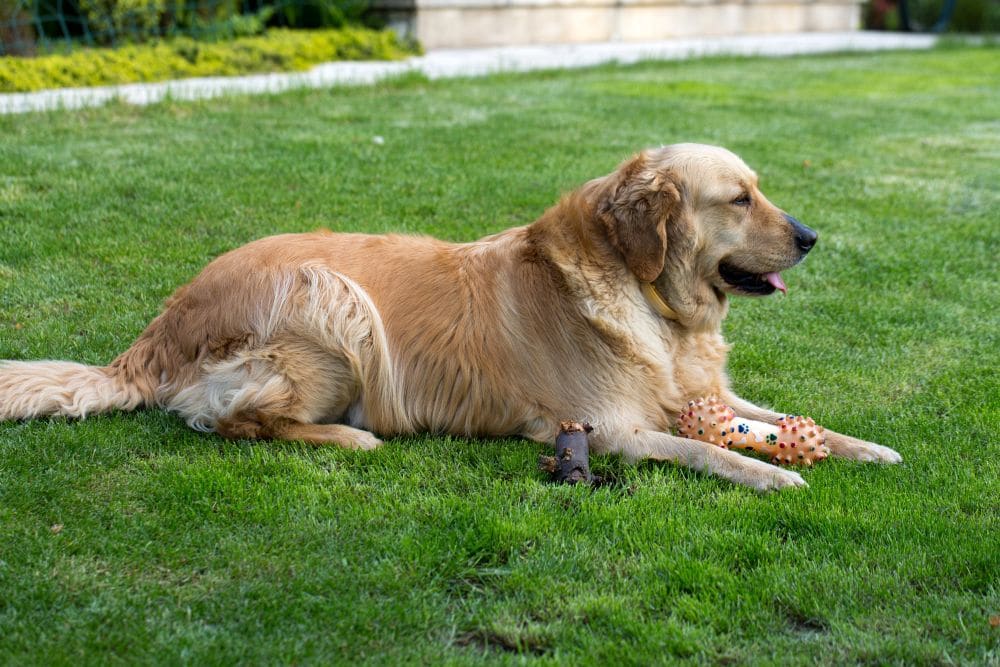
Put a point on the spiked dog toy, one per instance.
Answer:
(790, 440)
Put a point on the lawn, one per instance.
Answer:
(127, 538)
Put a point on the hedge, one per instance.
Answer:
(279, 50)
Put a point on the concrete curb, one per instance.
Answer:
(447, 63)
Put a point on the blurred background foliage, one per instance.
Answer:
(33, 27)
(280, 50)
(967, 16)
(38, 27)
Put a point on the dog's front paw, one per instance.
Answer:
(879, 454)
(766, 477)
(780, 479)
(363, 440)
(847, 447)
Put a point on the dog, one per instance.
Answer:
(606, 309)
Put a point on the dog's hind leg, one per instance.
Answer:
(316, 355)
(288, 390)
(260, 425)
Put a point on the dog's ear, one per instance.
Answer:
(635, 210)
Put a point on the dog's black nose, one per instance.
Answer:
(805, 238)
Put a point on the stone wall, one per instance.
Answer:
(475, 23)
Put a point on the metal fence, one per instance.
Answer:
(33, 27)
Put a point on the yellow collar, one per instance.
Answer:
(657, 302)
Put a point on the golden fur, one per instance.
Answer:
(330, 337)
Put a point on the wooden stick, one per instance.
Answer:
(571, 464)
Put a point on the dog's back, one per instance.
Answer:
(270, 326)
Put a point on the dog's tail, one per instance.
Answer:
(30, 389)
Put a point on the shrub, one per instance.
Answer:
(108, 20)
(119, 22)
(278, 50)
(970, 15)
(976, 16)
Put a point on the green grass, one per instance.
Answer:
(179, 548)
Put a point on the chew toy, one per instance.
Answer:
(790, 440)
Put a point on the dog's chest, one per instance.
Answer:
(681, 365)
(698, 365)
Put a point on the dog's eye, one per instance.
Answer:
(742, 200)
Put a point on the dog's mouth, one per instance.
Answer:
(746, 282)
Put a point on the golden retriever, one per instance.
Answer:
(606, 309)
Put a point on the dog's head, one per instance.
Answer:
(691, 220)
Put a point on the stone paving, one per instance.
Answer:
(443, 63)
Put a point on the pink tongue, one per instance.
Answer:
(775, 279)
